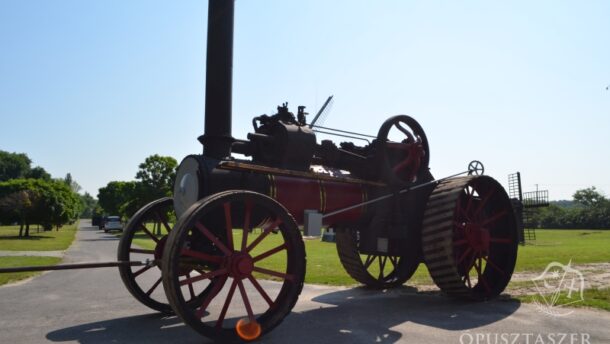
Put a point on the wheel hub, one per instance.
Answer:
(477, 237)
(240, 265)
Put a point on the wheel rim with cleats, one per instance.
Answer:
(469, 237)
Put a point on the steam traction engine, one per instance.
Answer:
(233, 264)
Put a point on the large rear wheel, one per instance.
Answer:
(469, 237)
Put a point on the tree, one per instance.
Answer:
(39, 173)
(16, 205)
(88, 204)
(13, 165)
(157, 173)
(589, 210)
(61, 204)
(72, 183)
(590, 197)
(30, 201)
(114, 195)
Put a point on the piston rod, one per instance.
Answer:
(76, 266)
(405, 190)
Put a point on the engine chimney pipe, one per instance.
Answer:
(217, 137)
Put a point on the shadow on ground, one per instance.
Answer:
(347, 316)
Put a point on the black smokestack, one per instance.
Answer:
(217, 137)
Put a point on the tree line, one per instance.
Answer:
(29, 195)
(154, 179)
(589, 209)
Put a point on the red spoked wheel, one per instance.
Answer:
(470, 237)
(248, 263)
(403, 150)
(144, 239)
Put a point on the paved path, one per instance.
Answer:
(33, 253)
(92, 306)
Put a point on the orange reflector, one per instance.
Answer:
(248, 330)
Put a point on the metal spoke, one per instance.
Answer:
(244, 239)
(494, 218)
(274, 273)
(467, 279)
(382, 261)
(200, 255)
(212, 294)
(470, 198)
(404, 131)
(460, 242)
(463, 256)
(265, 232)
(163, 221)
(260, 290)
(244, 297)
(369, 260)
(481, 278)
(191, 290)
(501, 240)
(270, 252)
(213, 238)
(154, 286)
(493, 265)
(484, 202)
(403, 164)
(139, 272)
(208, 275)
(152, 236)
(229, 225)
(225, 307)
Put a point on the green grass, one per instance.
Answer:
(323, 266)
(11, 262)
(580, 246)
(37, 241)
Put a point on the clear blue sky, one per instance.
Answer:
(94, 87)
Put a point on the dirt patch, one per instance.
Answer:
(596, 276)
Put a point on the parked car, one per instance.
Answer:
(113, 223)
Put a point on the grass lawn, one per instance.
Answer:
(323, 266)
(580, 246)
(10, 262)
(37, 241)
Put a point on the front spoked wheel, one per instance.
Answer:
(245, 256)
(144, 239)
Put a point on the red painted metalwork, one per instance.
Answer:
(300, 194)
(297, 194)
(342, 195)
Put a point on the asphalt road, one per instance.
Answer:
(92, 306)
